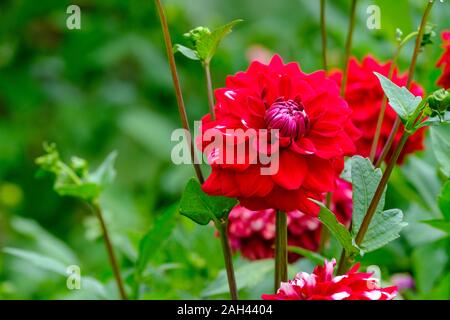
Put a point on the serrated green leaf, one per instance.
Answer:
(401, 99)
(247, 275)
(202, 208)
(442, 225)
(311, 255)
(156, 237)
(207, 43)
(384, 228)
(444, 201)
(337, 229)
(440, 141)
(365, 180)
(187, 52)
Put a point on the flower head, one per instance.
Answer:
(314, 134)
(365, 95)
(444, 61)
(322, 285)
(253, 232)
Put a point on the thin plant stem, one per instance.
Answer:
(348, 46)
(323, 28)
(178, 92)
(412, 68)
(222, 228)
(373, 149)
(380, 120)
(109, 248)
(210, 89)
(281, 248)
(343, 263)
(380, 189)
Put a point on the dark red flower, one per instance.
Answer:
(322, 285)
(364, 95)
(315, 133)
(444, 61)
(253, 232)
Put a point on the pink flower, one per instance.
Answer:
(253, 232)
(322, 285)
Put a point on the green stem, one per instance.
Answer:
(222, 228)
(344, 262)
(412, 68)
(348, 46)
(373, 149)
(177, 86)
(109, 248)
(210, 89)
(280, 249)
(380, 120)
(323, 29)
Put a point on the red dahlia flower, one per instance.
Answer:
(315, 133)
(364, 96)
(322, 285)
(444, 61)
(253, 232)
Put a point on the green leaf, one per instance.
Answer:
(105, 173)
(207, 43)
(44, 240)
(247, 276)
(86, 191)
(88, 284)
(401, 99)
(440, 141)
(156, 237)
(365, 180)
(429, 263)
(384, 228)
(444, 201)
(311, 255)
(338, 230)
(38, 260)
(202, 208)
(74, 179)
(442, 225)
(385, 225)
(187, 52)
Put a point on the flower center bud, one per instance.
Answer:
(289, 117)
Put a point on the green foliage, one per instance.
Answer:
(247, 275)
(444, 201)
(385, 226)
(311, 255)
(155, 239)
(440, 139)
(401, 99)
(202, 208)
(336, 228)
(205, 42)
(74, 179)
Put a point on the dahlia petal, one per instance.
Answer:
(292, 171)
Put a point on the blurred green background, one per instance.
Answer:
(108, 87)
